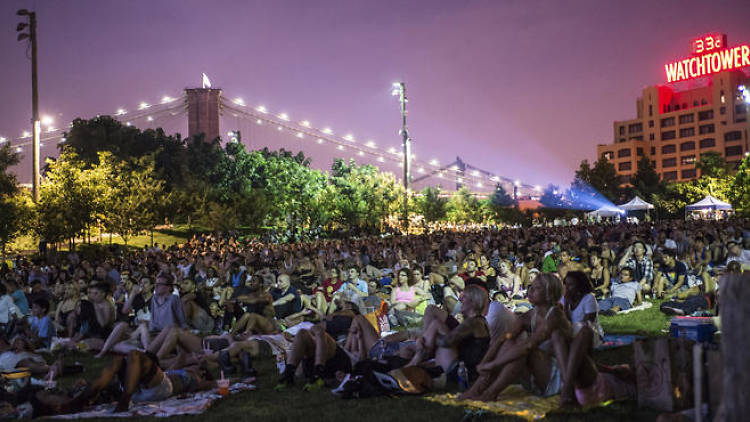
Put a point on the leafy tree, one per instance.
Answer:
(646, 182)
(552, 197)
(464, 207)
(602, 177)
(712, 164)
(133, 196)
(739, 193)
(71, 198)
(500, 198)
(431, 205)
(10, 221)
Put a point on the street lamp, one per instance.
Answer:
(399, 90)
(36, 124)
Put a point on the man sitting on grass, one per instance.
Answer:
(625, 294)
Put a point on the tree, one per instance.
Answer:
(10, 216)
(133, 196)
(712, 164)
(464, 207)
(646, 182)
(500, 198)
(71, 198)
(431, 205)
(602, 177)
(740, 187)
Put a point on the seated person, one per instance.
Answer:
(674, 279)
(41, 328)
(466, 342)
(195, 307)
(626, 293)
(258, 309)
(137, 375)
(21, 355)
(581, 307)
(286, 298)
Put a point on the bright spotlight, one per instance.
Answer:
(284, 116)
(165, 99)
(47, 120)
(517, 183)
(120, 111)
(261, 109)
(3, 139)
(150, 119)
(300, 135)
(239, 101)
(745, 93)
(434, 162)
(370, 144)
(25, 134)
(327, 131)
(143, 106)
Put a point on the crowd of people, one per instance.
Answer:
(481, 309)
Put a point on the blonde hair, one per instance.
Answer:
(552, 287)
(479, 297)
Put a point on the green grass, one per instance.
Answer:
(649, 322)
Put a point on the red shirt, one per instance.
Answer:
(465, 276)
(329, 287)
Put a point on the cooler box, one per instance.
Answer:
(698, 329)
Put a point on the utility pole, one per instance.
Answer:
(399, 89)
(36, 123)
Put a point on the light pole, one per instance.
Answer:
(36, 124)
(399, 89)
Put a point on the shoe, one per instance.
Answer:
(340, 389)
(247, 364)
(225, 363)
(669, 310)
(316, 385)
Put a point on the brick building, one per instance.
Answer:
(674, 127)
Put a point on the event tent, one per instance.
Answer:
(708, 203)
(605, 211)
(636, 204)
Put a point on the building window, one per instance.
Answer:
(669, 175)
(687, 160)
(635, 127)
(740, 109)
(650, 122)
(707, 143)
(608, 155)
(688, 173)
(622, 140)
(650, 136)
(625, 152)
(734, 135)
(639, 152)
(676, 107)
(670, 134)
(733, 150)
(687, 118)
(703, 101)
(669, 149)
(686, 132)
(653, 150)
(723, 110)
(669, 162)
(625, 166)
(669, 121)
(687, 146)
(706, 115)
(622, 130)
(637, 138)
(653, 163)
(651, 113)
(706, 129)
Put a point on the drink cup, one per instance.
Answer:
(223, 387)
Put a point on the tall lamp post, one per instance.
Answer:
(36, 123)
(399, 90)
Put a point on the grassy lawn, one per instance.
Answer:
(294, 404)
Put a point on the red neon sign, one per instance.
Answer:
(709, 62)
(708, 43)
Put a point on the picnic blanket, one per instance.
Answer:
(514, 400)
(611, 341)
(184, 404)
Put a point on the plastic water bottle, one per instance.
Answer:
(281, 362)
(463, 377)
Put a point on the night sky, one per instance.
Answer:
(522, 88)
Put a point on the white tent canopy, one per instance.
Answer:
(636, 204)
(709, 203)
(605, 211)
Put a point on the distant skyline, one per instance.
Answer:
(525, 89)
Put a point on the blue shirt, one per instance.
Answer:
(43, 328)
(19, 298)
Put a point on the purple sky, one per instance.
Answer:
(522, 88)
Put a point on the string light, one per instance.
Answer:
(434, 162)
(260, 122)
(150, 119)
(120, 112)
(47, 120)
(300, 135)
(239, 101)
(327, 131)
(143, 106)
(349, 137)
(370, 144)
(305, 123)
(279, 128)
(341, 147)
(165, 99)
(261, 109)
(2, 139)
(320, 141)
(284, 116)
(18, 149)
